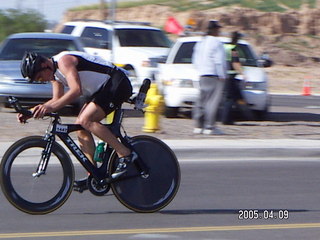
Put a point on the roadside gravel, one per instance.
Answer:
(282, 123)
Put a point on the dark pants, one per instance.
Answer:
(232, 95)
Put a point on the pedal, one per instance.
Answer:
(80, 185)
(78, 189)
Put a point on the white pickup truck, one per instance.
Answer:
(178, 80)
(132, 46)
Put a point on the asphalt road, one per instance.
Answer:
(220, 189)
(216, 200)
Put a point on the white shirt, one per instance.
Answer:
(209, 57)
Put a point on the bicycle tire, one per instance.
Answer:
(36, 195)
(156, 191)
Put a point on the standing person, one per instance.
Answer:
(209, 60)
(106, 86)
(233, 92)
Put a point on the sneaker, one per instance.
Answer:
(213, 131)
(80, 185)
(197, 130)
(123, 165)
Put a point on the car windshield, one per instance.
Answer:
(184, 54)
(142, 38)
(14, 49)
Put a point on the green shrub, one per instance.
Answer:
(15, 21)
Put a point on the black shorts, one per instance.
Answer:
(113, 93)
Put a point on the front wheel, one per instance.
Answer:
(36, 194)
(155, 190)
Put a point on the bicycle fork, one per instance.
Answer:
(45, 156)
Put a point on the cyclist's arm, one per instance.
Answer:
(67, 66)
(57, 91)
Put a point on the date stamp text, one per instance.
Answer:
(252, 214)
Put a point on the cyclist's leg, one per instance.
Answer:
(86, 143)
(86, 140)
(90, 118)
(111, 96)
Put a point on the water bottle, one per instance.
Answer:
(98, 154)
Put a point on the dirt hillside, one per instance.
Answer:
(292, 39)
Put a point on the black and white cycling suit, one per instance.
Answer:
(101, 81)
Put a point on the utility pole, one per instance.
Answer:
(18, 4)
(102, 9)
(112, 19)
(112, 10)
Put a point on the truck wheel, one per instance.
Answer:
(171, 112)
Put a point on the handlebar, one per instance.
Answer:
(17, 106)
(26, 112)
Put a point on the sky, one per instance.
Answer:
(52, 9)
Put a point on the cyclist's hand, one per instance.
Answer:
(39, 111)
(22, 118)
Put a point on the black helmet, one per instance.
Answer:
(31, 64)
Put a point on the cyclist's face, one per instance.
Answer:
(44, 75)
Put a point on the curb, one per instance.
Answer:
(244, 144)
(231, 148)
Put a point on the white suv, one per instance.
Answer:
(132, 46)
(178, 80)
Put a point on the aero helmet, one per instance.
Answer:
(31, 64)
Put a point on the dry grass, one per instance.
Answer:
(284, 79)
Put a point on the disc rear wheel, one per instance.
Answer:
(152, 191)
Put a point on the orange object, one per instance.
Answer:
(306, 88)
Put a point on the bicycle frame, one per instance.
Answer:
(63, 131)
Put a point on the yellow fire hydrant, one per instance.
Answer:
(155, 103)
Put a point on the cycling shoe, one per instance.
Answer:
(80, 185)
(123, 165)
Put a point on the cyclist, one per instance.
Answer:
(104, 85)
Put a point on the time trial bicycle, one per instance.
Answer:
(37, 173)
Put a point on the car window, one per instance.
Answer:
(142, 38)
(95, 37)
(67, 29)
(246, 55)
(14, 49)
(93, 43)
(184, 54)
